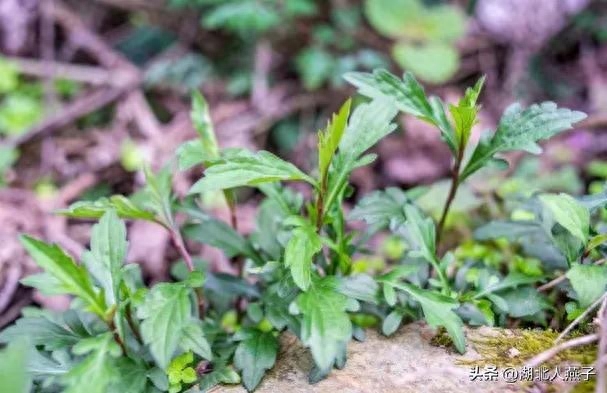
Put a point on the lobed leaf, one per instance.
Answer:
(193, 339)
(124, 207)
(422, 232)
(326, 327)
(520, 129)
(465, 113)
(165, 312)
(97, 371)
(247, 169)
(382, 208)
(438, 311)
(369, 123)
(254, 355)
(408, 96)
(299, 253)
(569, 213)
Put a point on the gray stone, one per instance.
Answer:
(404, 363)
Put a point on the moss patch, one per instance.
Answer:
(512, 348)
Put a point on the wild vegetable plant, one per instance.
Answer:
(518, 129)
(293, 273)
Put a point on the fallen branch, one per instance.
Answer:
(601, 378)
(580, 318)
(80, 73)
(13, 274)
(80, 107)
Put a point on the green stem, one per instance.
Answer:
(446, 290)
(132, 325)
(455, 182)
(341, 180)
(112, 326)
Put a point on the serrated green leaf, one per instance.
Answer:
(369, 123)
(360, 287)
(193, 339)
(465, 113)
(248, 169)
(123, 206)
(328, 140)
(588, 281)
(97, 371)
(43, 282)
(133, 377)
(520, 129)
(408, 96)
(13, 370)
(522, 302)
(106, 257)
(381, 208)
(221, 374)
(42, 366)
(254, 355)
(219, 234)
(190, 153)
(165, 312)
(438, 311)
(569, 213)
(73, 278)
(201, 119)
(422, 233)
(158, 194)
(299, 253)
(513, 279)
(326, 327)
(41, 331)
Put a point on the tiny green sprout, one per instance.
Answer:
(180, 372)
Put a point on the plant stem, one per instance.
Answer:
(320, 208)
(237, 261)
(442, 277)
(131, 323)
(180, 245)
(452, 192)
(340, 183)
(112, 326)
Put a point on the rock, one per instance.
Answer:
(403, 363)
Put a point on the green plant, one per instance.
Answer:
(296, 271)
(424, 35)
(21, 101)
(248, 16)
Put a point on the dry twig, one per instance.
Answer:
(550, 353)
